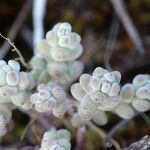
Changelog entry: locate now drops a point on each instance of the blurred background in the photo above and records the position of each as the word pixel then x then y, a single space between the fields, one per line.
pixel 115 35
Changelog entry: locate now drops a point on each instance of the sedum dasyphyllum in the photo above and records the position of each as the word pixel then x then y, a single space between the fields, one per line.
pixel 96 94
pixel 135 96
pixel 39 69
pixel 101 92
pixel 14 84
pixel 50 97
pixel 56 140
pixel 57 65
pixel 59 52
pixel 15 87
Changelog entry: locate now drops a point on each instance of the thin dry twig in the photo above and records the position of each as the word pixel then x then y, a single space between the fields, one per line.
pixel 123 15
pixel 116 127
pixel 15 27
pixel 103 135
pixel 80 138
pixel 26 128
pixel 34 131
pixel 124 122
pixel 92 45
pixel 26 65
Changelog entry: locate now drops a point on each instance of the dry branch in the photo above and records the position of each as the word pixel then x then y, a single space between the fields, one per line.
pixel 15 27
pixel 126 20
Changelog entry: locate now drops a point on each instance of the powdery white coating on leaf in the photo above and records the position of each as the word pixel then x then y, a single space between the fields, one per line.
pixel 65 41
pixel 2 62
pixel 143 92
pixel 59 93
pixel 64 144
pixel 62 29
pixel 56 147
pixel 50 98
pixel 75 69
pixel 86 114
pixel 127 93
pixel 44 77
pixel 77 121
pixel 12 78
pixel 100 118
pixel 45 106
pixel 140 80
pixel 20 98
pixel 6 68
pixel 109 104
pixel 117 75
pixel 137 93
pixel 43 94
pixel 141 105
pixel 114 90
pixel 51 38
pixel 106 82
pixel 125 111
pixel 61 44
pixel 85 82
pixel 56 69
pixel 60 109
pixel 88 103
pixel 2 77
pixel 7 91
pixel 63 133
pixel 14 65
pixel 95 83
pixel 15 83
pixel 105 88
pixel 99 92
pixel 43 48
pixel 64 73
pixel 61 54
pixel 56 140
pixel 60 49
pixel 24 81
pixel 99 71
pixel 39 70
pixel 109 76
pixel 97 97
pixel 27 105
pixel 77 91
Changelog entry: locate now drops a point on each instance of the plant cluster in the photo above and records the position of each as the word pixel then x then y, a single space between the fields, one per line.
pixel 59 52
pixel 44 88
pixel 56 140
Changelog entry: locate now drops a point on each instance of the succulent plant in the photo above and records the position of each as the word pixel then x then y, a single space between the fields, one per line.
pixel 64 73
pixel 50 97
pixel 52 73
pixel 137 94
pixel 60 44
pixel 59 50
pixel 56 140
pixel 14 84
pixel 96 93
pixel 39 69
